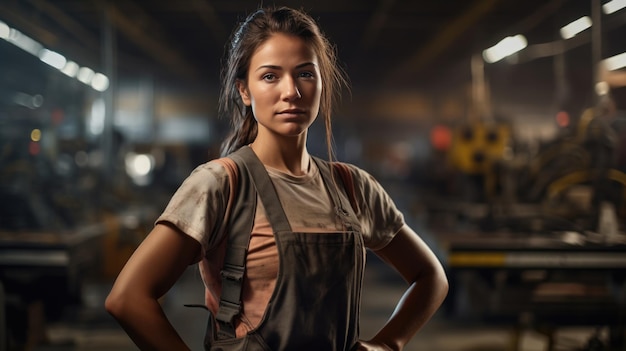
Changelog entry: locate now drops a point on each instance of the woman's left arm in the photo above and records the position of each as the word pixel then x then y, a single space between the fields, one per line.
pixel 428 287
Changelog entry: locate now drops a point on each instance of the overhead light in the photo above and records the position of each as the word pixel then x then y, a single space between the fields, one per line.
pixel 506 47
pixel 100 82
pixel 85 75
pixel 569 31
pixel 613 6
pixel 616 62
pixel 52 58
pixel 5 30
pixel 24 42
pixel 97 81
pixel 70 69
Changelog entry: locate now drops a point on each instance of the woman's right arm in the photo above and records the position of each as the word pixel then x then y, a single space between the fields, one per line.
pixel 151 271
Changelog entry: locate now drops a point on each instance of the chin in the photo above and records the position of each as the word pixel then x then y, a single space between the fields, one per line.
pixel 294 134
pixel 293 130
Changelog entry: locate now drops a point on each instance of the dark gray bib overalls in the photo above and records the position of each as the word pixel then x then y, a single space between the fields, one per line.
pixel 316 301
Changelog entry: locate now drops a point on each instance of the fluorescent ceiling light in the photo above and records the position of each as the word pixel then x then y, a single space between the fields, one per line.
pixel 579 25
pixel 70 69
pixel 24 42
pixel 5 30
pixel 85 74
pixel 506 47
pixel 52 58
pixel 100 82
pixel 613 6
pixel 615 62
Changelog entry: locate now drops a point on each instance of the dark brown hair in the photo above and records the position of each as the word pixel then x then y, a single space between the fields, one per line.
pixel 248 36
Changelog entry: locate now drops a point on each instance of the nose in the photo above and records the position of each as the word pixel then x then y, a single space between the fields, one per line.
pixel 290 90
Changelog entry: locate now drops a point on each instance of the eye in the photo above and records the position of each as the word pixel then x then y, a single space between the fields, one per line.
pixel 269 77
pixel 306 74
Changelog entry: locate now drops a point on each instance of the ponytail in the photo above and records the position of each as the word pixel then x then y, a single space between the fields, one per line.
pixel 242 133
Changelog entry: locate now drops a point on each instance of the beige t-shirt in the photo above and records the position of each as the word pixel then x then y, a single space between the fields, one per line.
pixel 199 204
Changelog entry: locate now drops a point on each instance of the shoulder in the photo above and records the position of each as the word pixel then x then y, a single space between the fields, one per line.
pixel 357 174
pixel 215 166
pixel 368 191
pixel 206 180
pixel 361 183
pixel 379 217
pixel 199 204
pixel 209 172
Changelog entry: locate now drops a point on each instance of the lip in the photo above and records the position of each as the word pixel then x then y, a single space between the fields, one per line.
pixel 291 111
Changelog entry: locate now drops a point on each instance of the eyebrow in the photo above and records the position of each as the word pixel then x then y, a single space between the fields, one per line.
pixel 279 67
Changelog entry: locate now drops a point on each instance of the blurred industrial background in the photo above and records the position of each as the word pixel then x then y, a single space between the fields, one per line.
pixel 498 126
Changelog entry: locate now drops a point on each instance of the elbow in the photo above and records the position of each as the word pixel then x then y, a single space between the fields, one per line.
pixel 114 304
pixel 111 304
pixel 443 285
pixel 436 281
pixel 126 304
pixel 440 282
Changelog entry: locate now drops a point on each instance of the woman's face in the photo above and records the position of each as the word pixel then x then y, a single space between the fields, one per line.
pixel 284 86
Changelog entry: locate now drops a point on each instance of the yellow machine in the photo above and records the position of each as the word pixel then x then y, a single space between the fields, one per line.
pixel 477 147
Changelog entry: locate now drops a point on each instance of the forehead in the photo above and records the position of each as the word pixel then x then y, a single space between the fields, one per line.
pixel 282 49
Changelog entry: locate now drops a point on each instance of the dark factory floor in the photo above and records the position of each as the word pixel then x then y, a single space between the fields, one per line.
pixel 91 328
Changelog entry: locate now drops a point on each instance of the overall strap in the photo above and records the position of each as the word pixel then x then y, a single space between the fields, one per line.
pixel 345 212
pixel 348 181
pixel 265 188
pixel 240 222
pixel 253 179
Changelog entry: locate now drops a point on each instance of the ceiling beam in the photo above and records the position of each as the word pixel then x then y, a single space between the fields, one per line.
pixel 440 42
pixel 546 10
pixel 28 26
pixel 71 26
pixel 155 45
pixel 209 16
pixel 376 23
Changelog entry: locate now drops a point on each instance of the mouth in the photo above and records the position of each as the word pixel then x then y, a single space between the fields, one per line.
pixel 292 111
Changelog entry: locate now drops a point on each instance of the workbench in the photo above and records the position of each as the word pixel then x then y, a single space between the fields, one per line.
pixel 543 281
pixel 46 267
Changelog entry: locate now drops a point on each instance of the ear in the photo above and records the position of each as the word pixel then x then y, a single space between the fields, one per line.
pixel 243 92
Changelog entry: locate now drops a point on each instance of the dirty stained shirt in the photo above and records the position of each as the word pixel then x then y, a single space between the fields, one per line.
pixel 200 203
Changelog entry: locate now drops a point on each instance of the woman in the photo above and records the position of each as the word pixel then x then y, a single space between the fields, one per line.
pixel 280 74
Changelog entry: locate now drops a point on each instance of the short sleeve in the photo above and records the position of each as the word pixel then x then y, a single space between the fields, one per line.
pixel 199 204
pixel 378 215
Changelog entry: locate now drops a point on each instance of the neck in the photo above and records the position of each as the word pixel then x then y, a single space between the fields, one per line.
pixel 289 156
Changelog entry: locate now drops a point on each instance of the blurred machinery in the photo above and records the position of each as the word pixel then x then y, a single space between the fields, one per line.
pixel 79 190
pixel 62 224
pixel 539 237
pixel 49 242
pixel 477 149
